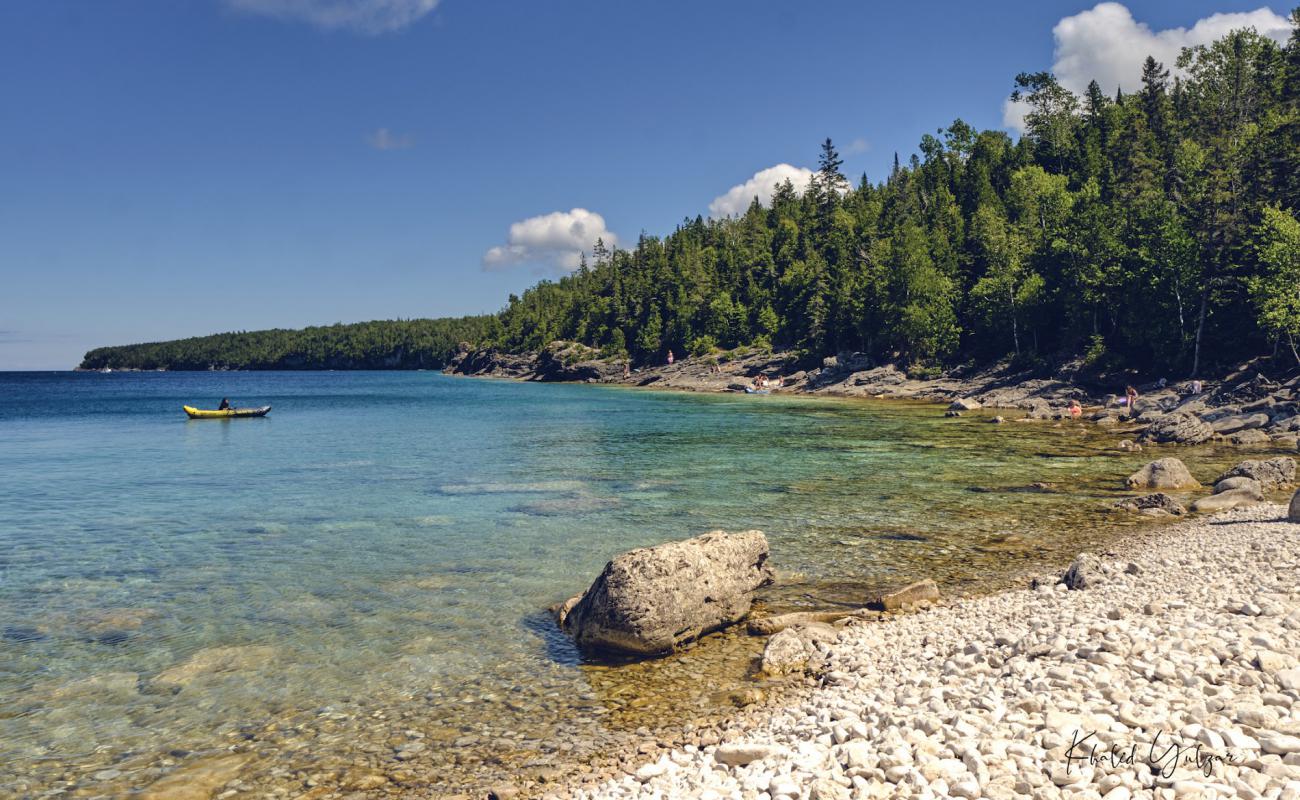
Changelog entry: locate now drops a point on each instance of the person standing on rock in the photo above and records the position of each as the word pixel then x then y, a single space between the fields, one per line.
pixel 1075 409
pixel 627 370
pixel 1196 386
pixel 1131 395
pixel 670 358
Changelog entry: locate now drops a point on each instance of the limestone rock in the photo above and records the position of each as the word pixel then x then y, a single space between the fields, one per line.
pixel 1241 422
pixel 911 594
pixel 1293 511
pixel 1179 428
pixel 1271 473
pixel 738 755
pixel 651 600
pixel 196 780
pixel 212 661
pixel 792 650
pixel 1164 473
pixel 1240 482
pixel 1232 498
pixel 1085 572
pixel 964 404
pixel 1158 500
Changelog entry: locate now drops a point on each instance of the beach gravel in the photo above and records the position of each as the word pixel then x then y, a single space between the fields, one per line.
pixel 1178 679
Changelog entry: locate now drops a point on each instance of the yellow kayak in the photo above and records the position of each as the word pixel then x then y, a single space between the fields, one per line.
pixel 225 413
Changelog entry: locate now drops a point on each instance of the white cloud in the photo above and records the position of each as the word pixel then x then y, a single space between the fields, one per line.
pixel 384 139
pixel 364 16
pixel 762 185
pixel 556 240
pixel 1105 43
pixel 858 145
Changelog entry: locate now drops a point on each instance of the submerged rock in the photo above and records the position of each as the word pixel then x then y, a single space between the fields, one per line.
pixel 212 661
pixel 197 780
pixel 651 600
pixel 1165 473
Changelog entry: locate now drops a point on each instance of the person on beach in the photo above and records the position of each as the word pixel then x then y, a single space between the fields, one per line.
pixel 1131 395
pixel 670 358
pixel 225 404
pixel 1076 410
pixel 1196 386
pixel 627 370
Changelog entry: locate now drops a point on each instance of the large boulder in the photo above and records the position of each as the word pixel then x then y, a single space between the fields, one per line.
pixel 965 404
pixel 1179 429
pixel 651 600
pixel 1293 511
pixel 1164 473
pixel 1271 473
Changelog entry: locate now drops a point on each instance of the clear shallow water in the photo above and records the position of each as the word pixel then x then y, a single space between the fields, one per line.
pixel 366 567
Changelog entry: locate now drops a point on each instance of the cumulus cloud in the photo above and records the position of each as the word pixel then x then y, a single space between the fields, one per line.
pixel 363 16
pixel 1105 43
pixel 556 240
pixel 762 185
pixel 384 139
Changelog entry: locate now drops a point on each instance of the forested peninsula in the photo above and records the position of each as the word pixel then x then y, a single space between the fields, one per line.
pixel 1153 231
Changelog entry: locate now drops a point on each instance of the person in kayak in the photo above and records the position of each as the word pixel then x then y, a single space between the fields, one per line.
pixel 225 404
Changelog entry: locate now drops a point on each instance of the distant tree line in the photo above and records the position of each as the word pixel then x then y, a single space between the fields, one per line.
pixel 1155 230
pixel 388 344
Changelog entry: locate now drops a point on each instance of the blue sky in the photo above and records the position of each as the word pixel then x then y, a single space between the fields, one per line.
pixel 179 167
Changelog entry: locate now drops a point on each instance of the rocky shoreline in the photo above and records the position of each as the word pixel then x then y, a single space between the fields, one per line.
pixel 1174 652
pixel 1244 408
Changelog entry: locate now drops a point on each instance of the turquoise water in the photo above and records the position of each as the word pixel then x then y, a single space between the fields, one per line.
pixel 369 564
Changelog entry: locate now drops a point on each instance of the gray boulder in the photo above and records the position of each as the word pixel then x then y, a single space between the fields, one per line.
pixel 1085 572
pixel 651 600
pixel 1271 473
pixel 1293 511
pixel 1164 473
pixel 964 404
pixel 1178 429
pixel 1238 483
pixel 1158 500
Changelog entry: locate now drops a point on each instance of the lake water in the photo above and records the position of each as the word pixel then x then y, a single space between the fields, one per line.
pixel 357 581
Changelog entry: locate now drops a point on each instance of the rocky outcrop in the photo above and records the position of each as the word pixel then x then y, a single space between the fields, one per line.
pixel 570 361
pixel 651 600
pixel 1178 429
pixel 1158 501
pixel 1271 473
pixel 492 362
pixel 965 404
pixel 1164 473
pixel 1241 422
